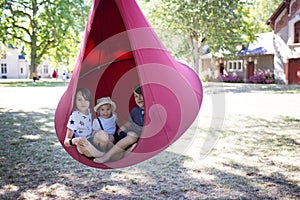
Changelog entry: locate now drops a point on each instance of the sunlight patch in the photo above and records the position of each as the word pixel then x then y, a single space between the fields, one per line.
pixel 55 191
pixel 56 144
pixel 134 177
pixel 31 137
pixel 116 189
pixel 44 129
pixel 8 188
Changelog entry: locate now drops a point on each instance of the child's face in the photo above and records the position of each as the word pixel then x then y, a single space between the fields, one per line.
pixel 105 111
pixel 139 100
pixel 82 104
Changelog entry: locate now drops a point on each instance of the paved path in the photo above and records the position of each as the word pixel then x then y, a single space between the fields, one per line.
pixel 30 98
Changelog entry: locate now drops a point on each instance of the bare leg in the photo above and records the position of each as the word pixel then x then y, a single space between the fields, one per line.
pixel 129 150
pixel 122 154
pixel 103 141
pixel 117 151
pixel 86 148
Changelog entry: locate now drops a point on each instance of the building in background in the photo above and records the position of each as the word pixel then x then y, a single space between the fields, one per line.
pixel 13 63
pixel 45 69
pixel 285 22
pixel 15 66
pixel 257 56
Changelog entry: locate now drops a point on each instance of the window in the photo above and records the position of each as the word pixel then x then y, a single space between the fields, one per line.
pixel 234 65
pixel 297 32
pixel 21 70
pixel 229 66
pixel 46 69
pixel 3 68
pixel 240 66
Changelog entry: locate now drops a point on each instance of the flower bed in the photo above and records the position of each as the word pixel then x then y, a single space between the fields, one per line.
pixel 263 77
pixel 232 78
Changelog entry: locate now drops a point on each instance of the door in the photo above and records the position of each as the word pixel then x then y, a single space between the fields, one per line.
pixel 293 71
pixel 221 70
pixel 250 70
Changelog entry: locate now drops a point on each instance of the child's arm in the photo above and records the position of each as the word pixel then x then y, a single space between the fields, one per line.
pixel 69 138
pixel 124 126
pixel 93 133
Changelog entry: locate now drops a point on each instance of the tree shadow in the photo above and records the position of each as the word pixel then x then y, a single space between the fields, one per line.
pixel 33 165
pixel 274 132
pixel 250 182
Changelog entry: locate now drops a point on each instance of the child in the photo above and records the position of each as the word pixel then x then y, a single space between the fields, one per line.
pixel 80 125
pixel 129 132
pixel 105 123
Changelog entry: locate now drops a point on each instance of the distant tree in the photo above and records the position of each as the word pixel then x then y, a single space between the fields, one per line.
pixel 260 12
pixel 219 24
pixel 46 27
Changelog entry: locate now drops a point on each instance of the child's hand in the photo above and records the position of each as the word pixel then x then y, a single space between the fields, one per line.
pixel 122 128
pixel 75 141
pixel 83 141
pixel 93 133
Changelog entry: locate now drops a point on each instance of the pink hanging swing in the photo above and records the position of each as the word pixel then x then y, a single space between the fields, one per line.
pixel 119 51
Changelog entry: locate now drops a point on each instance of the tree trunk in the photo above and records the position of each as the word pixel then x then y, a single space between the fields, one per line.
pixel 33 38
pixel 196 53
pixel 32 60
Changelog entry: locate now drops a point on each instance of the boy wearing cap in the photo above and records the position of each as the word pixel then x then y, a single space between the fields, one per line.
pixel 104 125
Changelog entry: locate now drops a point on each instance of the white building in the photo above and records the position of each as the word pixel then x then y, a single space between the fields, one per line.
pixel 45 69
pixel 13 64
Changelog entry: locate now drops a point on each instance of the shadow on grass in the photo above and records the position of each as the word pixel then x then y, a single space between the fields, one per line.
pixel 32 158
pixel 33 165
pixel 271 134
pixel 250 183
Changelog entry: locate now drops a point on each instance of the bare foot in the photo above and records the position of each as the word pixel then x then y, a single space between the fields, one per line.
pixel 86 148
pixel 101 159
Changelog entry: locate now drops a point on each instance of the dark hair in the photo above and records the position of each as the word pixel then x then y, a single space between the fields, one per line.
pixel 138 89
pixel 87 95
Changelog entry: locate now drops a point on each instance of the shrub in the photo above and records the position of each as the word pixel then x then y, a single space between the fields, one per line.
pixel 232 78
pixel 263 77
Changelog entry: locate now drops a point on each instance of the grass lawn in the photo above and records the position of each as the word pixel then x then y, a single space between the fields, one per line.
pixel 30 83
pixel 256 156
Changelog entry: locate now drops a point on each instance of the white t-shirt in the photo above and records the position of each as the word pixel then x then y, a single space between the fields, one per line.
pixel 80 123
pixel 109 125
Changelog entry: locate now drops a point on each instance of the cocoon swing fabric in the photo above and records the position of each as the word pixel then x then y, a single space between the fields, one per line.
pixel 120 50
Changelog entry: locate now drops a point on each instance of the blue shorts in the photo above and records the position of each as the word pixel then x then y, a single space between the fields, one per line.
pixel 119 136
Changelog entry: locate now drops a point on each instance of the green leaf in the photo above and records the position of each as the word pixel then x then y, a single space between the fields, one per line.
pixel 47 28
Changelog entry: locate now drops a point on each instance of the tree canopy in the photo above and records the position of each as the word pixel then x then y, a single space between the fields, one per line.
pixel 45 27
pixel 52 28
pixel 260 12
pixel 221 25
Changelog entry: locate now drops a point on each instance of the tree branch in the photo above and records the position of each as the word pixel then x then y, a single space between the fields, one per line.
pixel 22 28
pixel 19 38
pixel 46 45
